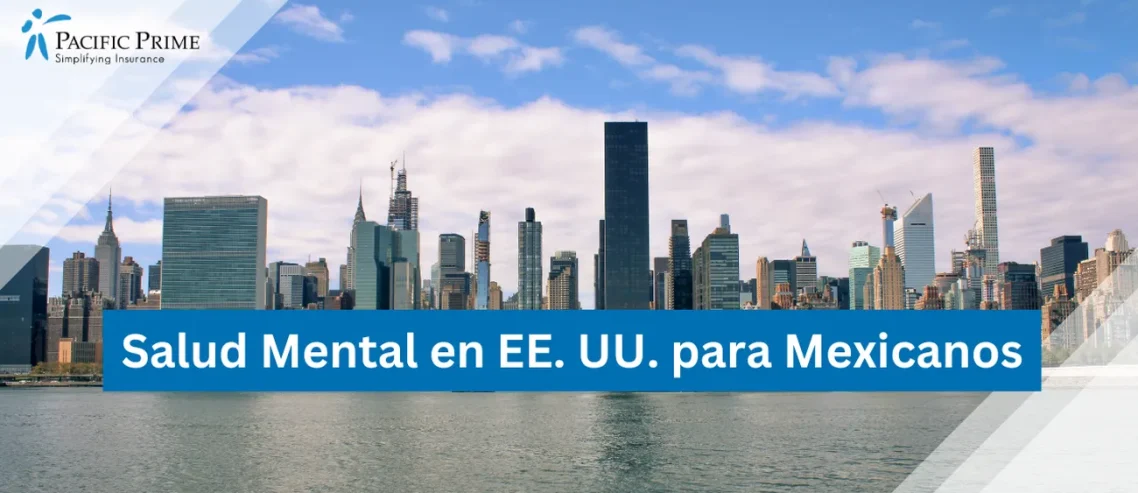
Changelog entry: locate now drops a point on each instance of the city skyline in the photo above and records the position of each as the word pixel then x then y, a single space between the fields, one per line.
pixel 798 153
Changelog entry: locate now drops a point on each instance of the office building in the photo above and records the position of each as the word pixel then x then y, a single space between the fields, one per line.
pixel 347 280
pixel 784 271
pixel 130 283
pixel 1018 287
pixel 680 294
pixel 529 262
pixel 599 271
pixel 80 274
pixel 806 270
pixel 373 263
pixel 930 299
pixel 783 297
pixel 78 317
pixel 1055 311
pixel 716 271
pixel 1059 261
pixel 863 258
pixel 626 256
pixel 454 291
pixel 213 253
pixel 764 288
pixel 915 244
pixel 564 281
pixel 984 187
pixel 109 254
pixel 495 296
pixel 482 262
pixel 958 259
pixel 319 269
pixel 154 277
pixel 405 277
pixel 23 307
pixel 659 283
pixel 452 253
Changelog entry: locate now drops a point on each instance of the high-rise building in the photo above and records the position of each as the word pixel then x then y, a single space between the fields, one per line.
pixel 863 258
pixel 1059 261
pixel 374 256
pixel 213 253
pixel 452 253
pixel 783 297
pixel 454 291
pixel 915 245
pixel 889 274
pixel 343 278
pixel 958 259
pixel 154 277
pixel 564 278
pixel 806 270
pixel 679 267
pixel 80 274
pixel 287 280
pixel 764 287
pixel 529 262
pixel 627 259
pixel 23 307
pixel 1019 289
pixel 784 271
pixel 599 272
pixel 717 275
pixel 347 281
pixel 78 317
pixel 130 283
pixel 403 210
pixel 659 283
pixel 405 277
pixel 482 261
pixel 436 284
pixel 109 254
pixel 984 188
pixel 495 296
pixel 319 270
pixel 699 299
pixel 1059 306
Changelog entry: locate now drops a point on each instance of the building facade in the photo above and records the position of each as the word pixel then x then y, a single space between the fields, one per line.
pixel 806 271
pixel 717 275
pixel 915 243
pixel 984 191
pixel 23 307
pixel 109 255
pixel 764 284
pixel 564 281
pixel 626 253
pixel 1059 261
pixel 80 274
pixel 679 288
pixel 529 262
pixel 1019 288
pixel 482 262
pixel 213 253
pixel 863 258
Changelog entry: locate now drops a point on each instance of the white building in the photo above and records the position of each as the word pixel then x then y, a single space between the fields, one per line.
pixel 915 244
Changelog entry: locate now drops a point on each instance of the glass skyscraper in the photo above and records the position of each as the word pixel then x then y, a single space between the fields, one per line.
pixel 915 245
pixel 984 191
pixel 863 258
pixel 679 267
pixel 626 257
pixel 529 262
pixel 213 253
pixel 374 255
pixel 23 307
pixel 1059 262
pixel 482 262
pixel 719 271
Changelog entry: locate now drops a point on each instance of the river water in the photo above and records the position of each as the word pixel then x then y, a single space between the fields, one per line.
pixel 84 440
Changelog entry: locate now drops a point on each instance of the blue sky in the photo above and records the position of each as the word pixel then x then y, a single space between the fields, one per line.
pixel 1036 53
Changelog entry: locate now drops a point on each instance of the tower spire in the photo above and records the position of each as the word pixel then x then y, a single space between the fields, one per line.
pixel 109 227
pixel 360 217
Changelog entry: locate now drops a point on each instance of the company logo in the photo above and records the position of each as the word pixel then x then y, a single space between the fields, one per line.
pixel 36 40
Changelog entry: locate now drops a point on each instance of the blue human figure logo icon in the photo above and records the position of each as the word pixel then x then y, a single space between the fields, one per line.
pixel 36 40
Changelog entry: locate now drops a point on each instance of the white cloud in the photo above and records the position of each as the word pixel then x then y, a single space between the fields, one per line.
pixel 923 24
pixel 257 55
pixel 812 179
pixel 514 56
pixel 519 26
pixel 751 75
pixel 309 21
pixel 437 14
pixel 609 42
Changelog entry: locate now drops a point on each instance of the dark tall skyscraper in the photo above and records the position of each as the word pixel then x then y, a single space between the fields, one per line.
pixel 1059 262
pixel 680 267
pixel 452 253
pixel 660 283
pixel 785 271
pixel 626 259
pixel 403 210
pixel 154 277
pixel 1019 289
pixel 599 272
pixel 23 306
pixel 529 262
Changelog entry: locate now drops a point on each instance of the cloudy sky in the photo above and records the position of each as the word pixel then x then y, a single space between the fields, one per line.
pixel 792 119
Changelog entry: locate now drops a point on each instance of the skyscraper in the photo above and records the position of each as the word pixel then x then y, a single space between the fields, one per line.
pixel 452 253
pixel 154 277
pixel 347 282
pixel 80 274
pixel 108 253
pixel 405 277
pixel 23 307
pixel 373 264
pixel 679 267
pixel 659 283
pixel 403 210
pixel 984 189
pixel 319 269
pixel 213 253
pixel 130 283
pixel 563 281
pixel 482 262
pixel 806 270
pixel 764 284
pixel 889 274
pixel 1059 262
pixel 783 271
pixel 343 278
pixel 1018 288
pixel 529 262
pixel 599 271
pixel 863 258
pixel 627 259
pixel 915 245
pixel 718 279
